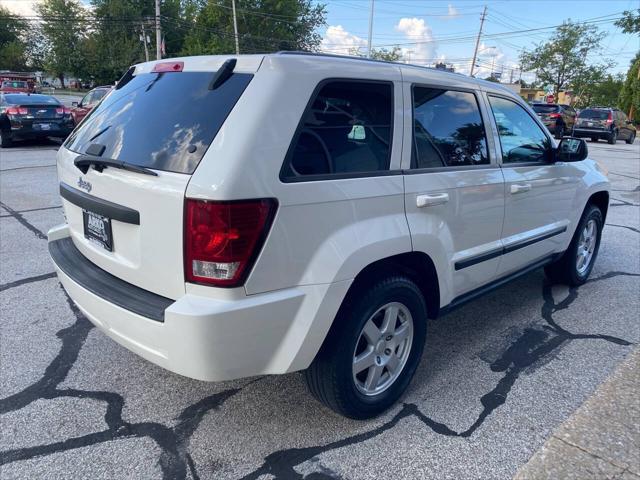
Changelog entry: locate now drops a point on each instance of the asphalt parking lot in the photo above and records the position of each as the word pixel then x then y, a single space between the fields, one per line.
pixel 498 375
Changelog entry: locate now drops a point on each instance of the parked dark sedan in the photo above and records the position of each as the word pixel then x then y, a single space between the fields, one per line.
pixel 559 119
pixel 25 116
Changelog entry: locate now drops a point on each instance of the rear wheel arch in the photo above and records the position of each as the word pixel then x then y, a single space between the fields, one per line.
pixel 418 266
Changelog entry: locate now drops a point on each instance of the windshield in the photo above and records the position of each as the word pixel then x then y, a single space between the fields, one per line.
pixel 163 121
pixel 545 108
pixel 595 114
pixel 31 100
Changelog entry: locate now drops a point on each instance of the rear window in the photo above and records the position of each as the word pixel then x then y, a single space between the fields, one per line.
pixel 31 100
pixel 546 108
pixel 163 121
pixel 595 114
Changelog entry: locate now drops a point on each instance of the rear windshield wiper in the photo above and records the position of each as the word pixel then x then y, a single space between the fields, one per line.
pixel 83 162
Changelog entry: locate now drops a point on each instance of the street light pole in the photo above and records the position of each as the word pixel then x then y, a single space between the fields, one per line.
pixel 235 26
pixel 475 52
pixel 370 30
pixel 158 40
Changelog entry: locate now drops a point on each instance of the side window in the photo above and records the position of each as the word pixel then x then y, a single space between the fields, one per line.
pixel 98 95
pixel 521 138
pixel 447 129
pixel 87 99
pixel 347 129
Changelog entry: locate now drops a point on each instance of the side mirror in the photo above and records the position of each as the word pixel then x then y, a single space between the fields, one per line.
pixel 571 149
pixel 74 104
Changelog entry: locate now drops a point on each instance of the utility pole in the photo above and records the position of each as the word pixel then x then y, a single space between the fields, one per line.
pixel 370 30
pixel 144 40
pixel 158 35
pixel 235 26
pixel 475 52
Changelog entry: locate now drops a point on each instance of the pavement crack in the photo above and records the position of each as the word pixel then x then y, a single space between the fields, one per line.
pixel 24 281
pixel 173 441
pixel 18 216
pixel 633 229
pixel 528 350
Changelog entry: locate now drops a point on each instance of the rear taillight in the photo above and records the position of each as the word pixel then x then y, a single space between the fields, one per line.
pixel 222 239
pixel 63 111
pixel 610 118
pixel 554 115
pixel 17 111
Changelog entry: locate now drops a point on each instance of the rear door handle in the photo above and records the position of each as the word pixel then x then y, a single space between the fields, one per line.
pixel 520 187
pixel 430 200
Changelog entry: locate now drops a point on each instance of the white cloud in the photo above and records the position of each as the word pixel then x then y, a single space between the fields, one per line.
pixel 452 12
pixel 416 30
pixel 27 8
pixel 21 7
pixel 339 41
pixel 488 56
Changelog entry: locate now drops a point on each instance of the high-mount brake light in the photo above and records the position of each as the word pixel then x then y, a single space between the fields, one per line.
pixel 222 239
pixel 168 67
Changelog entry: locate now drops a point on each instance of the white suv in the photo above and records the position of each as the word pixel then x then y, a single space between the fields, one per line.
pixel 251 215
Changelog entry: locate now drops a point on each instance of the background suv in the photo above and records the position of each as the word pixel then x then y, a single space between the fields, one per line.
pixel 232 216
pixel 606 123
pixel 559 119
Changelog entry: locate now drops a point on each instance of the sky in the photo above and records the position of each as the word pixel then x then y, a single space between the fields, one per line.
pixel 428 31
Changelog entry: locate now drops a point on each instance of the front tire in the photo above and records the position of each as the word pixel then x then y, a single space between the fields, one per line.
pixel 631 139
pixel 372 350
pixel 575 265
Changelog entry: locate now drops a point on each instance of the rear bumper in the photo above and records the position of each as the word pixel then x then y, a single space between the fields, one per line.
pixel 211 339
pixel 587 132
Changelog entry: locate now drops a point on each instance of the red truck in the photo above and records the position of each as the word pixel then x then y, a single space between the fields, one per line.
pixel 17 82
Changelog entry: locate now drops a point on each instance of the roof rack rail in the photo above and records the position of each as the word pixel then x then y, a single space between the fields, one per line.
pixel 362 59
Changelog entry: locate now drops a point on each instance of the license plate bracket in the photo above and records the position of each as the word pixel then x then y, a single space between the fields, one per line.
pixel 97 228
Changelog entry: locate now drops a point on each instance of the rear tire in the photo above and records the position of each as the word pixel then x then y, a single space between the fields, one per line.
pixel 612 138
pixel 359 339
pixel 575 265
pixel 5 139
pixel 594 139
pixel 631 139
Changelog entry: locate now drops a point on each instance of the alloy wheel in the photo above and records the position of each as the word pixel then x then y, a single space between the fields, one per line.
pixel 382 348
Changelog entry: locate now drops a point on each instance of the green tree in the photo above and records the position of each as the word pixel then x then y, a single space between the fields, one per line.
pixel 12 44
pixel 630 21
pixel 63 25
pixel 263 26
pixel 600 90
pixel 563 59
pixel 392 55
pixel 629 99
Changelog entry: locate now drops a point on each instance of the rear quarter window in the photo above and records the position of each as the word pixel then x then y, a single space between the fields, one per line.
pixel 163 121
pixel 346 129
